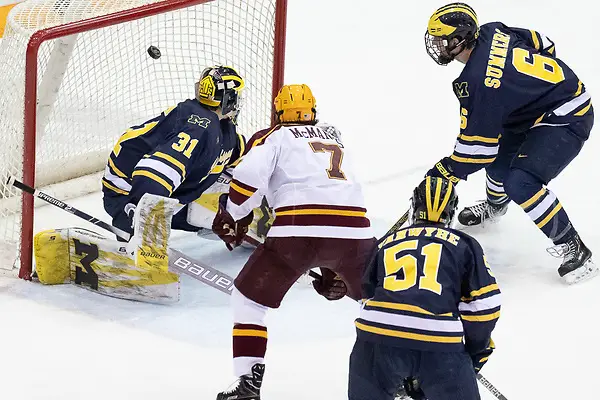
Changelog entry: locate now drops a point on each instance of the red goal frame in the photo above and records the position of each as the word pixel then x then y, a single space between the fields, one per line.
pixel 31 77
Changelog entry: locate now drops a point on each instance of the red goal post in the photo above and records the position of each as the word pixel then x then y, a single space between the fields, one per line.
pixel 70 68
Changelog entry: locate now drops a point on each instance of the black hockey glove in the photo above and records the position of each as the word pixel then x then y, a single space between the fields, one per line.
pixel 413 389
pixel 481 358
pixel 330 285
pixel 230 231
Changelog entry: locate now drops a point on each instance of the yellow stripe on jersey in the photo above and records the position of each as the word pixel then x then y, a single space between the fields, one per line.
pixel 533 198
pixel 579 89
pixel 494 182
pixel 168 110
pixel 536 41
pixel 250 332
pixel 479 292
pixel 481 139
pixel 112 165
pixel 132 134
pixel 265 136
pixel 404 307
pixel 491 192
pixel 240 189
pixel 583 110
pixel 543 222
pixel 408 335
pixel 242 150
pixel 472 160
pixel 317 211
pixel 481 318
pixel 172 160
pixel 155 178
pixel 114 188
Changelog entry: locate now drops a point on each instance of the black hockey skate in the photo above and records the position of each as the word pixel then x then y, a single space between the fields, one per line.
pixel 577 262
pixel 477 214
pixel 248 387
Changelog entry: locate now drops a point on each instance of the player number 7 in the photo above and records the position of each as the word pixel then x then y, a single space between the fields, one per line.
pixel 335 160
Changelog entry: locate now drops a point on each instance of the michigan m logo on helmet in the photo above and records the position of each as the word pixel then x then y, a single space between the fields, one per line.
pixel 450 30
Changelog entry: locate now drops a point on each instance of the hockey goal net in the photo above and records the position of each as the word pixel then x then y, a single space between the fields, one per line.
pixel 75 74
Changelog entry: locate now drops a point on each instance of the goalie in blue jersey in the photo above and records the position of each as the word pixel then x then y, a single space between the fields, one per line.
pixel 525 116
pixel 156 173
pixel 178 154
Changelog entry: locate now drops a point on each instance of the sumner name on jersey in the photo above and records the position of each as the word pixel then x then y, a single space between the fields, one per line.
pixel 178 154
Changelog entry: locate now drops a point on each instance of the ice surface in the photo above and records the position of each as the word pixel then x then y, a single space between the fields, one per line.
pixel 367 66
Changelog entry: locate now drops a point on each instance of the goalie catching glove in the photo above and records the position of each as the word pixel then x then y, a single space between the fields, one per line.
pixel 230 231
pixel 330 285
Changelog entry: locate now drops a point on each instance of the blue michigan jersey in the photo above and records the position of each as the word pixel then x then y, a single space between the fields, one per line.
pixel 429 288
pixel 178 154
pixel 512 82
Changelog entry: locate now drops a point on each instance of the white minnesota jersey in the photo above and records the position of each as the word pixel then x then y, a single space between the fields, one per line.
pixel 307 179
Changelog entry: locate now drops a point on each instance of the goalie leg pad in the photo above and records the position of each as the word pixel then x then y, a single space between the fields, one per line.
pixel 152 230
pixel 102 265
pixel 51 250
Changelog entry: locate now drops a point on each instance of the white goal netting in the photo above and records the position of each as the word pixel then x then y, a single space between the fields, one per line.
pixel 93 85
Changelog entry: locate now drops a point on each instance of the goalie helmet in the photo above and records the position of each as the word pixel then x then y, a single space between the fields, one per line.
pixel 219 89
pixel 453 21
pixel 295 104
pixel 434 200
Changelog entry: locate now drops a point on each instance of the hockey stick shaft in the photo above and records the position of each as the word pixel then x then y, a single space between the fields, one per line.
pixel 64 206
pixel 177 260
pixel 401 221
pixel 488 385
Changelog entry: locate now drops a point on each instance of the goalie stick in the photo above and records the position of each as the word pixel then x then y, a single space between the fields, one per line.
pixel 178 262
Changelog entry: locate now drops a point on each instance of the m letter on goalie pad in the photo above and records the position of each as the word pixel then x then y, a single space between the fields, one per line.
pixel 78 256
pixel 138 270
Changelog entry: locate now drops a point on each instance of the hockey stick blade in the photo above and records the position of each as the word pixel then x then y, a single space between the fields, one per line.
pixel 178 262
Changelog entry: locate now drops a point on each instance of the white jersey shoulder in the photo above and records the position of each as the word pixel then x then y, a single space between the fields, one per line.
pixel 305 173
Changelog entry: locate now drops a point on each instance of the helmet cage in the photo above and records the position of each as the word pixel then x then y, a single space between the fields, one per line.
pixel 220 92
pixel 440 48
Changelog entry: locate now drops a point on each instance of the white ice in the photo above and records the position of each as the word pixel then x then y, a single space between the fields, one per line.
pixel 366 63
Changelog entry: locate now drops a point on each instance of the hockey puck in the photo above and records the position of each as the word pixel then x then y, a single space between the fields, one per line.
pixel 154 52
